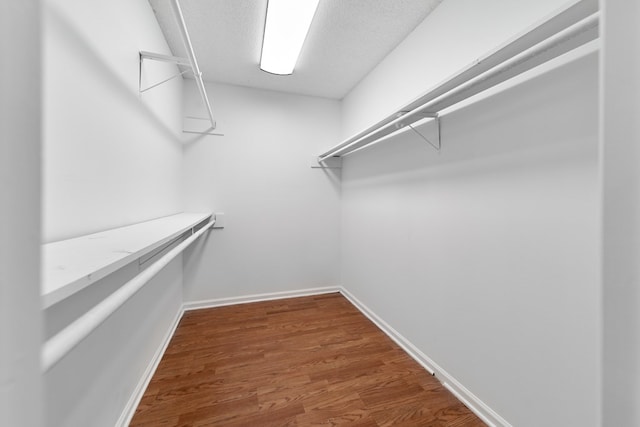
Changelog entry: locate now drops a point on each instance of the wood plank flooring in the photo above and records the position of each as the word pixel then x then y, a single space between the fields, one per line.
pixel 311 361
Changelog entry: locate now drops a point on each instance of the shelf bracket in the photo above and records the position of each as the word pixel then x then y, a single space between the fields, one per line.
pixel 425 115
pixel 183 62
pixel 328 163
pixel 192 124
pixel 159 83
pixel 163 58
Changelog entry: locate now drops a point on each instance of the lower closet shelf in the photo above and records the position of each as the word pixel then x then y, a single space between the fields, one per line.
pixel 69 266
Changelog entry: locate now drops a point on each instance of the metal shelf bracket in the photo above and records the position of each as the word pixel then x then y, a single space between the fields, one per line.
pixel 163 58
pixel 190 62
pixel 435 117
pixel 328 163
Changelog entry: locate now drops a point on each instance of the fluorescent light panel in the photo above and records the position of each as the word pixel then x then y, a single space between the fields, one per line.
pixel 286 28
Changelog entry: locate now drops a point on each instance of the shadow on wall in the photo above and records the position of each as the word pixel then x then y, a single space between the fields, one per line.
pixel 334 176
pixel 513 121
pixel 92 62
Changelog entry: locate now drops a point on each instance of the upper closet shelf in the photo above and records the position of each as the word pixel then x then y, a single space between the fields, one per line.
pixel 569 28
pixel 190 62
pixel 71 265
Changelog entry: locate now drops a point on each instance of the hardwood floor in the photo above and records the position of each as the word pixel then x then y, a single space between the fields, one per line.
pixel 311 361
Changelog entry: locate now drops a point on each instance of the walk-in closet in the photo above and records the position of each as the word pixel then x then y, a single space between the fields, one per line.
pixel 320 212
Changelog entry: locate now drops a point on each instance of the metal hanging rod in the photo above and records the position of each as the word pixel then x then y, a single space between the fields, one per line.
pixel 189 62
pixel 571 27
pixel 191 56
pixel 59 345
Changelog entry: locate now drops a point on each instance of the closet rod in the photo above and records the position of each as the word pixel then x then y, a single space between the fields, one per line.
pixel 192 60
pixel 64 341
pixel 570 28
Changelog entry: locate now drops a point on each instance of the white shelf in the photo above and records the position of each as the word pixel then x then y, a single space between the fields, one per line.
pixel 71 265
pixel 569 28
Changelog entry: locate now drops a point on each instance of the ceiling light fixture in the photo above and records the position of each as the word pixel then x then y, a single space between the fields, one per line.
pixel 285 29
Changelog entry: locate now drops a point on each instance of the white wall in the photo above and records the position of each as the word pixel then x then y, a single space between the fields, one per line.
pixel 621 206
pixel 485 256
pixel 111 158
pixel 20 127
pixel 282 216
pixel 456 33
pixel 94 383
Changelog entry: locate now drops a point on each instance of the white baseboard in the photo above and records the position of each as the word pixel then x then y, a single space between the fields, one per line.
pixel 483 411
pixel 219 302
pixel 476 405
pixel 136 396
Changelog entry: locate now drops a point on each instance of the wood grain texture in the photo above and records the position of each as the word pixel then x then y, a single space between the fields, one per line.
pixel 310 361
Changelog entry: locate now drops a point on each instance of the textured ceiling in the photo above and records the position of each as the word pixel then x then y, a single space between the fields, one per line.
pixel 347 39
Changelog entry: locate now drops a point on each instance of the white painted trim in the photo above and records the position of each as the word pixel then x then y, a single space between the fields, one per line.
pixel 484 412
pixel 219 302
pixel 129 410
